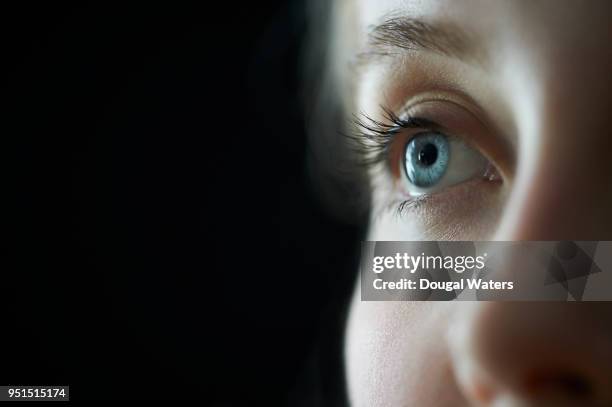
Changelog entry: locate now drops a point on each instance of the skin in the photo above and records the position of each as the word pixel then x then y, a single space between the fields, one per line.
pixel 537 96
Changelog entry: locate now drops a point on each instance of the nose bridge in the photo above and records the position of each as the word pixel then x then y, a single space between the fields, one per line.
pixel 563 184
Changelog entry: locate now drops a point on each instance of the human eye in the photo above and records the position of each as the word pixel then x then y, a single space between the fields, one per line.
pixel 433 153
pixel 433 161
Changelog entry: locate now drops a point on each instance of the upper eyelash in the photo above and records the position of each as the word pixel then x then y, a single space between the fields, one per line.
pixel 372 137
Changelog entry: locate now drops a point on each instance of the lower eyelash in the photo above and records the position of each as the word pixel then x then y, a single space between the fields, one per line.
pixel 412 203
pixel 403 206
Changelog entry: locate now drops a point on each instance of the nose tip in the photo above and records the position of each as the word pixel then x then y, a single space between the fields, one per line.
pixel 523 354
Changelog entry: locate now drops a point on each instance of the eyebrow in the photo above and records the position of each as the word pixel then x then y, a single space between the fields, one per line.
pixel 399 34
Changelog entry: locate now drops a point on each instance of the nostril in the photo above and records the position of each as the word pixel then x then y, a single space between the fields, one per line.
pixel 571 385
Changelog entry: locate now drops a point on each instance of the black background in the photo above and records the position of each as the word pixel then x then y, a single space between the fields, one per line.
pixel 164 237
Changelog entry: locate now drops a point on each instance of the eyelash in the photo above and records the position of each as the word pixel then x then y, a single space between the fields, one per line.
pixel 373 139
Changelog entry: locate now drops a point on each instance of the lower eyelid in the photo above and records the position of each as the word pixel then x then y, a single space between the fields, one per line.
pixel 475 192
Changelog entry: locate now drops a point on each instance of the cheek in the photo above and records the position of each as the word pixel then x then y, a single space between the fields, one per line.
pixel 386 226
pixel 396 354
pixel 374 364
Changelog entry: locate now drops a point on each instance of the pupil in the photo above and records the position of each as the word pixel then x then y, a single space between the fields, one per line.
pixel 428 154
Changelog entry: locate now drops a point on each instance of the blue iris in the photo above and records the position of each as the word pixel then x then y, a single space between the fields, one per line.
pixel 426 159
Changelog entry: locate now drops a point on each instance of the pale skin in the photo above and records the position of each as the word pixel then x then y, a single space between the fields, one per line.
pixel 528 85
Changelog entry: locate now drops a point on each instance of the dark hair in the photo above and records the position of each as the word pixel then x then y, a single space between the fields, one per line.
pixel 341 186
pixel 342 190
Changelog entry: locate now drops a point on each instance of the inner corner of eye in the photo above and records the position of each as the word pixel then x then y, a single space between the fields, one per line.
pixel 492 174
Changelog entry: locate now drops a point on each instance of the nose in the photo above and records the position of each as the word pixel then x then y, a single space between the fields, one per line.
pixel 545 353
pixel 540 354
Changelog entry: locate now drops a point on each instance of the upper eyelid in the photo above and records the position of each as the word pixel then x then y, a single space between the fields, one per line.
pixel 467 104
